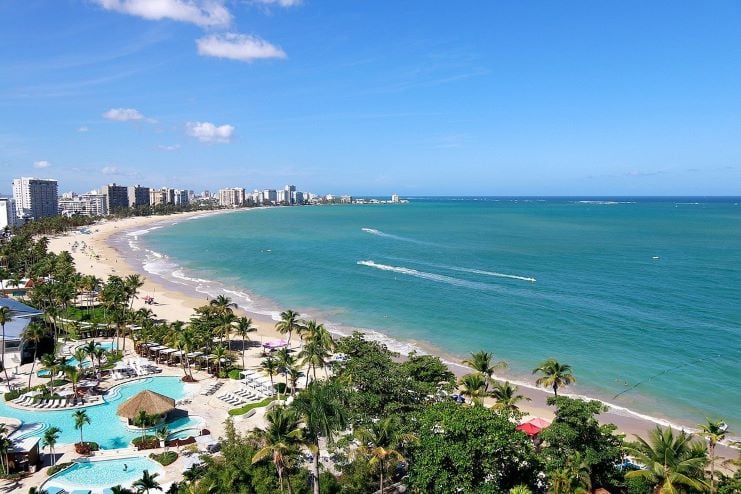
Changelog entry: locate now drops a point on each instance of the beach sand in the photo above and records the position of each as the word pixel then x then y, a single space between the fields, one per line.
pixel 176 302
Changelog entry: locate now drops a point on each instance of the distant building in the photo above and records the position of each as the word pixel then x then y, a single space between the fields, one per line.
pixel 157 197
pixel 180 197
pixel 138 196
pixel 35 197
pixel 8 214
pixel 117 196
pixel 269 196
pixel 395 198
pixel 297 197
pixel 91 204
pixel 290 191
pixel 284 197
pixel 346 200
pixel 231 197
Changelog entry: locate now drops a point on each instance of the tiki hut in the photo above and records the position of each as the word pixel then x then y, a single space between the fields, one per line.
pixel 153 404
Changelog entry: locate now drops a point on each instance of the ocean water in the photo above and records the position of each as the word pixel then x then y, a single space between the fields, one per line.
pixel 641 296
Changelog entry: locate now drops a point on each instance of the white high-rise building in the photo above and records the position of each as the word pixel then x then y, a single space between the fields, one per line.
pixel 233 197
pixel 35 197
pixel 8 216
pixel 92 204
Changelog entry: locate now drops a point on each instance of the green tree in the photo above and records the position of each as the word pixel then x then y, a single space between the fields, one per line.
pixel 671 461
pixel 507 397
pixel 383 441
pixel 714 431
pixel 243 328
pixel 81 418
pixel 288 324
pixel 520 489
pixel 554 375
pixel 49 440
pixel 34 334
pixel 322 412
pixel 269 366
pixel 117 489
pixel 280 440
pixel 50 362
pixel 576 433
pixel 474 450
pixel 483 362
pixel 473 386
pixel 147 482
pixel 142 420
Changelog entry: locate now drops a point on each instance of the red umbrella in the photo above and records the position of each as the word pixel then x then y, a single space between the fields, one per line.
pixel 528 428
pixel 539 422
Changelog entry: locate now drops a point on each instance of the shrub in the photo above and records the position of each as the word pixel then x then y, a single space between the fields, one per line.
pixel 234 374
pixel 250 406
pixel 58 467
pixel 280 388
pixel 86 448
pixel 164 458
pixel 146 442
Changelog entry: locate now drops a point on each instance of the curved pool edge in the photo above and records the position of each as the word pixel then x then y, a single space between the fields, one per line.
pixel 53 480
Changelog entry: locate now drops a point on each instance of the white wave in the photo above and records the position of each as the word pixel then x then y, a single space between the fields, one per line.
pixel 608 203
pixel 178 273
pixel 440 278
pixel 137 233
pixel 373 231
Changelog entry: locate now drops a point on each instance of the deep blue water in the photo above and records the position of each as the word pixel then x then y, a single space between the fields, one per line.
pixel 641 296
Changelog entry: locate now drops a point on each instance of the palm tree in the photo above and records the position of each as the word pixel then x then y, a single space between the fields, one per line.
pixel 520 489
pixel 117 489
pixel 222 303
pixel 34 333
pixel 322 413
pixel 73 376
pixel 289 322
pixel 714 432
pixel 383 440
pixel 81 418
pixel 554 375
pixel 474 386
pixel 80 355
pixel 3 448
pixel 5 317
pixel 243 328
pixel 162 434
pixel 49 440
pixel 224 323
pixel 219 353
pixel 285 361
pixel 294 374
pixel 671 462
pixel 281 438
pixel 507 397
pixel 49 361
pixel 147 482
pixel 270 367
pixel 142 420
pixel 483 362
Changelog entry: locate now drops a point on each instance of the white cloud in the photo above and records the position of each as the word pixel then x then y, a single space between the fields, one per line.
pixel 282 3
pixel 208 132
pixel 41 164
pixel 170 147
pixel 205 13
pixel 110 170
pixel 83 129
pixel 238 47
pixel 123 114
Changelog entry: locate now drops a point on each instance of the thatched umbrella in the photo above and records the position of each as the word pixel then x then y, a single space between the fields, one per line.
pixel 150 402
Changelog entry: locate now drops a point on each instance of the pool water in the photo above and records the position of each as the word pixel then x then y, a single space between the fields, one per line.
pixel 104 474
pixel 72 361
pixel 105 427
pixel 184 433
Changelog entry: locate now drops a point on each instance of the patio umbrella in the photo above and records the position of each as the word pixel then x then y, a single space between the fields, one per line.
pixel 528 428
pixel 539 422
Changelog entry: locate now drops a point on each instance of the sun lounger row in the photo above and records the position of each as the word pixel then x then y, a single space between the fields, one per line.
pixel 232 399
pixel 249 394
pixel 211 389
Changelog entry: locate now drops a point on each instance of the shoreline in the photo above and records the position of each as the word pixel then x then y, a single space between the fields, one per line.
pixel 175 300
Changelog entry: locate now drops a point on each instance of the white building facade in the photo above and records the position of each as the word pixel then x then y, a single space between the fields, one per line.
pixel 8 214
pixel 35 197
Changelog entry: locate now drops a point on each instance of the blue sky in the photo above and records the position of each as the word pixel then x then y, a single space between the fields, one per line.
pixel 374 97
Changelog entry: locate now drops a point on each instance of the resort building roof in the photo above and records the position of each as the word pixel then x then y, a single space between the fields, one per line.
pixel 149 401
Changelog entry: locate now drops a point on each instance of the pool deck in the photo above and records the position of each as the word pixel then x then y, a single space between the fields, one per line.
pixel 211 409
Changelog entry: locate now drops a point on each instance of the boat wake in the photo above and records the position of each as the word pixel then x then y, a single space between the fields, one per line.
pixel 440 278
pixel 379 233
pixel 460 269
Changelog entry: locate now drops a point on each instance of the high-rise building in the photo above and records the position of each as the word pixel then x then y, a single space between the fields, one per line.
pixel 290 191
pixel 284 197
pixel 269 196
pixel 117 196
pixel 35 197
pixel 91 204
pixel 181 197
pixel 298 197
pixel 8 215
pixel 394 198
pixel 157 197
pixel 138 196
pixel 232 197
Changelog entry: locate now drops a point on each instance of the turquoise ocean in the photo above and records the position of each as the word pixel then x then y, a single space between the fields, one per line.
pixel 641 296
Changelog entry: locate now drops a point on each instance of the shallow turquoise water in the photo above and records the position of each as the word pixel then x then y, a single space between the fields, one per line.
pixel 99 475
pixel 105 427
pixel 640 296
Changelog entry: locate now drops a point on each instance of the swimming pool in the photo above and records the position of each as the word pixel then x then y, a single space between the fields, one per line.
pixel 184 433
pixel 105 427
pixel 100 475
pixel 72 361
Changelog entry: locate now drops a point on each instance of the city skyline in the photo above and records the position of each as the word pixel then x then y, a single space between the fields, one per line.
pixel 485 99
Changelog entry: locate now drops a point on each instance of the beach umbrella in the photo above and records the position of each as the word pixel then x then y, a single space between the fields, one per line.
pixel 539 422
pixel 528 428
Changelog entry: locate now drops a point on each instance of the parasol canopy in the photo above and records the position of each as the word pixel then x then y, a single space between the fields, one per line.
pixel 149 401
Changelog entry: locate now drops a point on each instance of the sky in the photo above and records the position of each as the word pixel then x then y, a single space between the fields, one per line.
pixel 374 97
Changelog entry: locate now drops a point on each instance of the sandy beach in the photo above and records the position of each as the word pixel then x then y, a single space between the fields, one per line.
pixel 176 302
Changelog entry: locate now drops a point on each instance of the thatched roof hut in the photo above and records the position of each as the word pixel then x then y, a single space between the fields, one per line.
pixel 149 401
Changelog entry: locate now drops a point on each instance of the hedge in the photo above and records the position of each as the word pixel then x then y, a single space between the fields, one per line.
pixel 164 458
